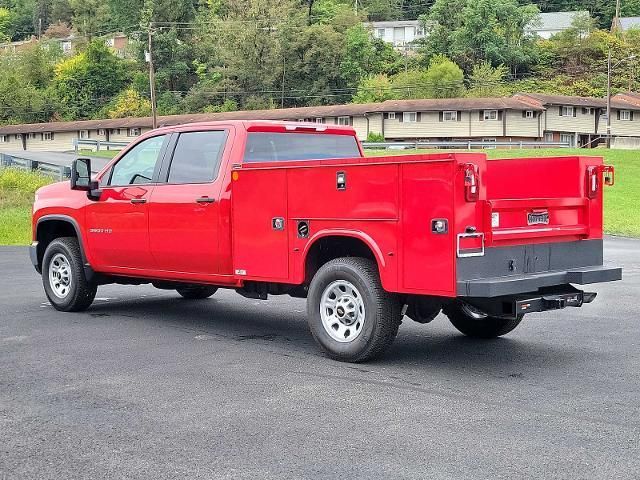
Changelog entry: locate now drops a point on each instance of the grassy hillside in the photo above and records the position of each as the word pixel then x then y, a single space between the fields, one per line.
pixel 17 188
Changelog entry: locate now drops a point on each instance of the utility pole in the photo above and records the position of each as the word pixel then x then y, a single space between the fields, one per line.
pixel 39 28
pixel 152 82
pixel 618 10
pixel 609 99
pixel 284 68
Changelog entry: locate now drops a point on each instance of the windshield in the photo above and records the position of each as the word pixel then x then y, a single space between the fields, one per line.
pixel 279 147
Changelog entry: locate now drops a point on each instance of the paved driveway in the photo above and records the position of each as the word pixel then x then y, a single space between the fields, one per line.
pixel 146 385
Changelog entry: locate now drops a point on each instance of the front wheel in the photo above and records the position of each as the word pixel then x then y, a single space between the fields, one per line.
pixel 63 276
pixel 350 315
pixel 474 323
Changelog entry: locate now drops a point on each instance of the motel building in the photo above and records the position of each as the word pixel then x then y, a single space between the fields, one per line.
pixel 577 121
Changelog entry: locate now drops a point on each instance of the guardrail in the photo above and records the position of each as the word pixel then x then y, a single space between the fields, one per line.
pixel 58 171
pixel 463 144
pixel 97 144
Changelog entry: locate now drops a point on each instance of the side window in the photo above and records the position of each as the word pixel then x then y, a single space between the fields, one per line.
pixel 196 158
pixel 139 163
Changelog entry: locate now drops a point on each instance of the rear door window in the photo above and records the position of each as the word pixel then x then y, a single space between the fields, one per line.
pixel 196 157
pixel 277 147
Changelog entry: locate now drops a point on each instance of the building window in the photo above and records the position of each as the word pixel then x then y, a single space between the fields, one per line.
pixel 491 114
pixel 301 120
pixel 392 115
pixel 588 110
pixel 133 132
pixel 344 120
pixel 102 132
pixel 409 117
pixel 548 137
pixel 47 136
pixel 4 138
pixel 319 120
pixel 567 138
pixel 18 136
pixel 529 114
pixel 380 33
pixel 450 116
pixel 566 111
pixel 419 32
pixel 625 115
pixel 83 134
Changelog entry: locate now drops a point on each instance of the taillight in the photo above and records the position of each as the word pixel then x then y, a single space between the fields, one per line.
pixel 471 182
pixel 593 183
pixel 608 173
pixel 593 178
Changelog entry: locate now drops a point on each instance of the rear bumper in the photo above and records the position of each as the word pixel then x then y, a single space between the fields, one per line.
pixel 530 282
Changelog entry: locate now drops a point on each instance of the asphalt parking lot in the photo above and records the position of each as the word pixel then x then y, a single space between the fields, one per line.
pixel 147 385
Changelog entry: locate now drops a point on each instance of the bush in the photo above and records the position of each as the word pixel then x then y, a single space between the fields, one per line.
pixel 375 137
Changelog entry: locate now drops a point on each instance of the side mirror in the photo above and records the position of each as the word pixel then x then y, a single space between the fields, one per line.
pixel 81 174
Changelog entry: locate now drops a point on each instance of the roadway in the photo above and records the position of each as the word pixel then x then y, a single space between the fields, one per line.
pixel 146 385
pixel 59 158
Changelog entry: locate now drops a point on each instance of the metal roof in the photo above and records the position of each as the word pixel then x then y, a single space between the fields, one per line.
pixel 555 21
pixel 521 101
pixel 629 22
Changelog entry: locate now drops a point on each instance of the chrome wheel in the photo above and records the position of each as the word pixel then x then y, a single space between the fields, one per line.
pixel 60 275
pixel 342 311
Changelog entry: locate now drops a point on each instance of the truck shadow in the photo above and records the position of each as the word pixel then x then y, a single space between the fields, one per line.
pixel 437 346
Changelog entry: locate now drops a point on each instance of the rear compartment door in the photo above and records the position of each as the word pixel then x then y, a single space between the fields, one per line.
pixel 260 245
pixel 428 257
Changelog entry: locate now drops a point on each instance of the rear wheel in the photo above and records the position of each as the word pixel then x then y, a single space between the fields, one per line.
pixel 350 315
pixel 63 276
pixel 474 323
pixel 196 292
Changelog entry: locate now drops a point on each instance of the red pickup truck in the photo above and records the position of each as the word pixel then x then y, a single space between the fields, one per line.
pixel 270 208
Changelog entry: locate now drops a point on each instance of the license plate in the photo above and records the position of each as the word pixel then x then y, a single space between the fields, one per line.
pixel 538 218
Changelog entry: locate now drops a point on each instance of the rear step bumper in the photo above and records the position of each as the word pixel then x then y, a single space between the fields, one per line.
pixel 552 298
pixel 531 282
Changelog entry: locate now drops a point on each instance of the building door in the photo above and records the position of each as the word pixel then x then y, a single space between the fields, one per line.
pixel 398 36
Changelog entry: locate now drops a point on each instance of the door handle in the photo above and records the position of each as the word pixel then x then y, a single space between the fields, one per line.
pixel 205 200
pixel 138 200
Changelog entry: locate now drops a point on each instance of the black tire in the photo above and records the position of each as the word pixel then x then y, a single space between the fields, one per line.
pixel 487 327
pixel 80 293
pixel 382 310
pixel 196 292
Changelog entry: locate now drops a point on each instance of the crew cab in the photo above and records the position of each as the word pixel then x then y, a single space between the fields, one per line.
pixel 270 208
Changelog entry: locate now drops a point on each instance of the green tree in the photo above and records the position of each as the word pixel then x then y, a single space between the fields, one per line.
pixel 494 31
pixel 90 16
pixel 373 89
pixel 487 81
pixel 87 81
pixel 444 17
pixel 128 103
pixel 444 79
pixel 5 25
